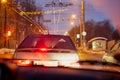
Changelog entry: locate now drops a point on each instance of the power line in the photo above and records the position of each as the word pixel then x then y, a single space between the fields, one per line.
pixel 28 19
pixel 43 12
pixel 60 5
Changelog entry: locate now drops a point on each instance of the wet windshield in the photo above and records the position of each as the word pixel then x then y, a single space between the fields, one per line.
pixel 60 39
pixel 93 27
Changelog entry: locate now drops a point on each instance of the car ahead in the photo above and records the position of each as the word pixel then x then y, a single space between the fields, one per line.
pixel 53 57
pixel 47 50
pixel 113 55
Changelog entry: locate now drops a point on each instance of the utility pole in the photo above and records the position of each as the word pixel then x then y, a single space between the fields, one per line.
pixel 82 25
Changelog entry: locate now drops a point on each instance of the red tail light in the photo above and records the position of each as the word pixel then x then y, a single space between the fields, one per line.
pixel 43 49
pixel 23 62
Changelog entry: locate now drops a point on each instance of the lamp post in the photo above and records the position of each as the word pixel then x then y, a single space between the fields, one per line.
pixel 8 36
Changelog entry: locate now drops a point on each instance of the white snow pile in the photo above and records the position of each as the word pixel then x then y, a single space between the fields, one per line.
pixel 6 51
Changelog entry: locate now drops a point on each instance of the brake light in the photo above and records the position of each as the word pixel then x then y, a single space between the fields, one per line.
pixel 43 49
pixel 23 62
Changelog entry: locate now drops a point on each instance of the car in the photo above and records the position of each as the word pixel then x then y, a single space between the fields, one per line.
pixel 110 55
pixel 42 32
pixel 47 50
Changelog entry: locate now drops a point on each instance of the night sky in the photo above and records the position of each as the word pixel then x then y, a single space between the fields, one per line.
pixel 98 10
pixel 111 8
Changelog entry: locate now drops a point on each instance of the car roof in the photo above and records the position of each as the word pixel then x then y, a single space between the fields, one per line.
pixel 39 35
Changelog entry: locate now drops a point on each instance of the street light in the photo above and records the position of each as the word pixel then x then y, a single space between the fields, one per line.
pixel 66 33
pixel 84 33
pixel 72 23
pixel 8 36
pixel 73 16
pixel 9 33
pixel 4 1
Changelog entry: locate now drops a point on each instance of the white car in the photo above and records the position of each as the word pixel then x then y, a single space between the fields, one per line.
pixel 47 50
pixel 110 55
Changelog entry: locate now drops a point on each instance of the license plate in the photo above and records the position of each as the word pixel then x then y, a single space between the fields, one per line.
pixel 46 63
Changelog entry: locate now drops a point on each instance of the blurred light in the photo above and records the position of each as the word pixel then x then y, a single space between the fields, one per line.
pixel 22 62
pixel 78 36
pixel 9 33
pixel 19 61
pixel 43 49
pixel 84 33
pixel 43 12
pixel 73 16
pixel 4 1
pixel 31 24
pixel 66 33
pixel 27 62
pixel 72 23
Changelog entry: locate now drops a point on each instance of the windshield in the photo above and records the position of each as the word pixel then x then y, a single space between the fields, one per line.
pixel 68 31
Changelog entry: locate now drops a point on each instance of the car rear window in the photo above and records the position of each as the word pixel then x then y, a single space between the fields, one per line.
pixel 48 41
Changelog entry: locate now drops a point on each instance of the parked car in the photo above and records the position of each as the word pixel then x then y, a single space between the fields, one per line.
pixel 47 50
pixel 110 55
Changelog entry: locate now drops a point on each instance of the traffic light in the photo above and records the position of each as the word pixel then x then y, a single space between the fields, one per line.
pixel 9 33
